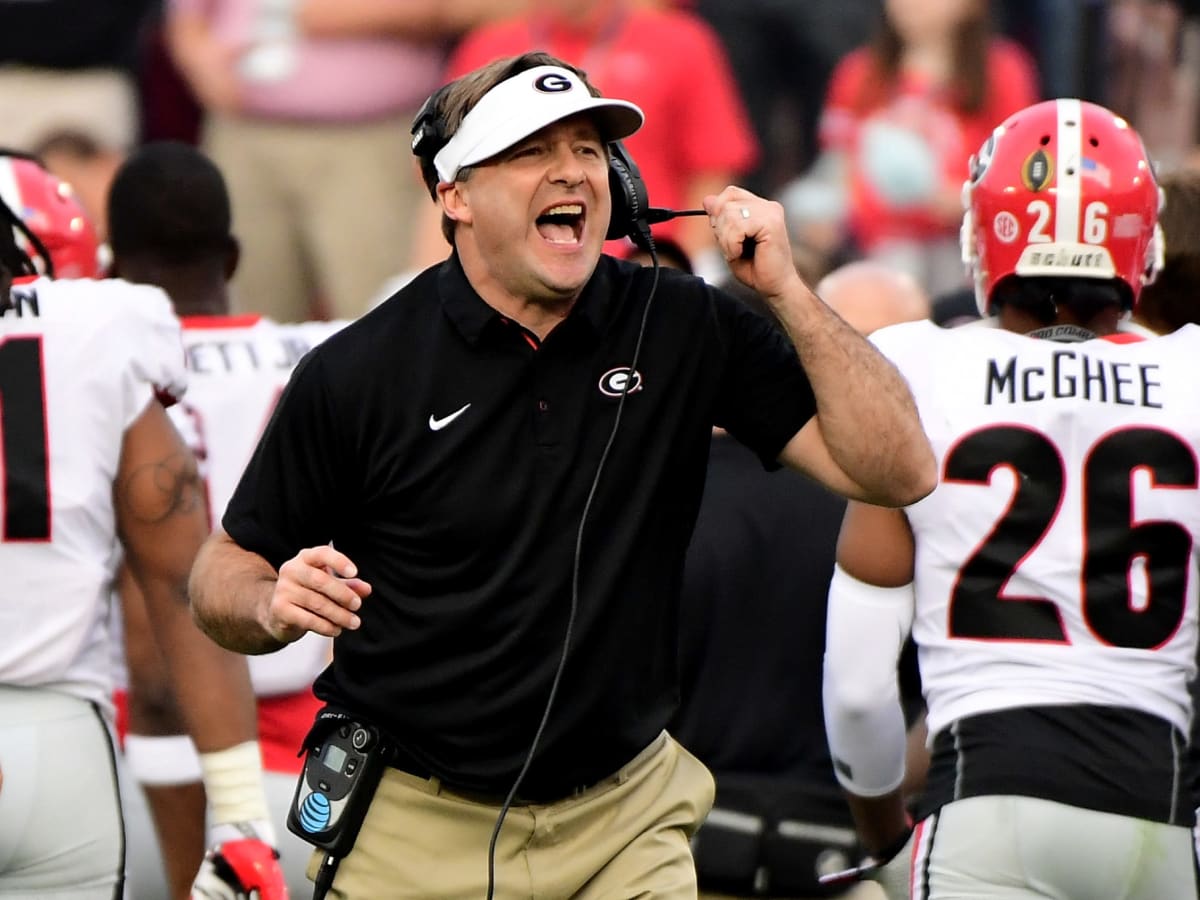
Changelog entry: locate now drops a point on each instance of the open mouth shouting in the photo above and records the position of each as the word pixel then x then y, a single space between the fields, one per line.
pixel 562 224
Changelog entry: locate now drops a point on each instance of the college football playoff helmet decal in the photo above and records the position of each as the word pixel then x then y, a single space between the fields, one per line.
pixel 1063 188
pixel 48 207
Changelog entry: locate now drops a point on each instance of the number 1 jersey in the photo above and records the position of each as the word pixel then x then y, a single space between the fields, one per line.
pixel 79 362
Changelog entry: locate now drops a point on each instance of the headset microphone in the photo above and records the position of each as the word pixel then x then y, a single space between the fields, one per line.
pixel 632 215
pixel 656 214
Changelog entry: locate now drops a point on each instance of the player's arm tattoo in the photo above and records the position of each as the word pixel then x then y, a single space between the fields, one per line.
pixel 155 492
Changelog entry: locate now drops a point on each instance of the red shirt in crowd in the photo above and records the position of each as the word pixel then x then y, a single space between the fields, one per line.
pixel 856 109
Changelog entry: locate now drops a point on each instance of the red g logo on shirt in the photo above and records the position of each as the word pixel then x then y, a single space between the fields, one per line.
pixel 622 380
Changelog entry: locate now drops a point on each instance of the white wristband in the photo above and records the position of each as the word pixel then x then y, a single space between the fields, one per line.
pixel 233 780
pixel 161 761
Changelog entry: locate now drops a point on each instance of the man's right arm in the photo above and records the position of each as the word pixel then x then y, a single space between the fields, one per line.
pixel 245 605
pixel 227 588
pixel 890 463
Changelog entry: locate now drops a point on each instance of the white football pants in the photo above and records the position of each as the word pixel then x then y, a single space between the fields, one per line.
pixel 60 813
pixel 1025 848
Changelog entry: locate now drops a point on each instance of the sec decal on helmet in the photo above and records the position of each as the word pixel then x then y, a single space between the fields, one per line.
pixel 46 207
pixel 1063 188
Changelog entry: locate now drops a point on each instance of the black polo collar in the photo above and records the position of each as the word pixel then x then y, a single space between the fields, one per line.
pixel 472 316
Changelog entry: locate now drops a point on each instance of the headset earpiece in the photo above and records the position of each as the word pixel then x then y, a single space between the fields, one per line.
pixel 630 201
pixel 429 131
pixel 428 127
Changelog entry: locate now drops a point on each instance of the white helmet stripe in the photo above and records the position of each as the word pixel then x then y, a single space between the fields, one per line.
pixel 1070 159
pixel 8 186
pixel 10 193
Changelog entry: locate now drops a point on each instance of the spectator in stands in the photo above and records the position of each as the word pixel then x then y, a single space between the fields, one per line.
pixel 310 128
pixel 69 66
pixel 901 119
pixel 1152 73
pixel 870 295
pixel 782 53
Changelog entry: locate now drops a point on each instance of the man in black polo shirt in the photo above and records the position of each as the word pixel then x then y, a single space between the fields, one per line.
pixel 485 487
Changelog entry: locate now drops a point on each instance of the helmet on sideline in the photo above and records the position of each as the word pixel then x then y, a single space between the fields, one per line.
pixel 1064 189
pixel 45 211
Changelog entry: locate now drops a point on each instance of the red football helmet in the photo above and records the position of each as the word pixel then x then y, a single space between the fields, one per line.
pixel 49 209
pixel 1062 188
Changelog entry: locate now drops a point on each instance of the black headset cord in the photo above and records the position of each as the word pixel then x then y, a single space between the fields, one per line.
pixel 324 880
pixel 562 660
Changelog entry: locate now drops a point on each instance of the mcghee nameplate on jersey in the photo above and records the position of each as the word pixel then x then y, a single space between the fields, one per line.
pixel 1072 373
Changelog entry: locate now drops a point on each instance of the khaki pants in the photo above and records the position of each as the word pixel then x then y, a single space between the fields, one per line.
pixel 323 212
pixel 624 837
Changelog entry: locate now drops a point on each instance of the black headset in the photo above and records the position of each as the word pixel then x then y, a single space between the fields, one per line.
pixel 429 131
pixel 631 211
pixel 630 202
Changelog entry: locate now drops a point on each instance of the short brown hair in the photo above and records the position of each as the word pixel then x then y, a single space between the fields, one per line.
pixel 451 103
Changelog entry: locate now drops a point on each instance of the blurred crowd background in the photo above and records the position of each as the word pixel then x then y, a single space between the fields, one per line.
pixel 858 115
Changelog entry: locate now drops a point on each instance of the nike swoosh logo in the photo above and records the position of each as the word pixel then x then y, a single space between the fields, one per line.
pixel 436 424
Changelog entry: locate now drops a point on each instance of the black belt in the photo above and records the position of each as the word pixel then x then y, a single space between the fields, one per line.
pixel 402 761
pixel 538 795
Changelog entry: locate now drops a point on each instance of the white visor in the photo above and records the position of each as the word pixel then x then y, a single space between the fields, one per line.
pixel 528 102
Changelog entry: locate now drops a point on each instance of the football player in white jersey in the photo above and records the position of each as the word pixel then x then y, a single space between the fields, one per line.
pixel 1169 303
pixel 169 221
pixel 1050 581
pixel 92 468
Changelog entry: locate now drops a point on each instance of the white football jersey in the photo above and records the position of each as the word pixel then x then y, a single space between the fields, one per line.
pixel 1056 559
pixel 79 362
pixel 237 368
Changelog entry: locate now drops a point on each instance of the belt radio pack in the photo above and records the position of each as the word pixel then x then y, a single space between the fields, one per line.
pixel 345 761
